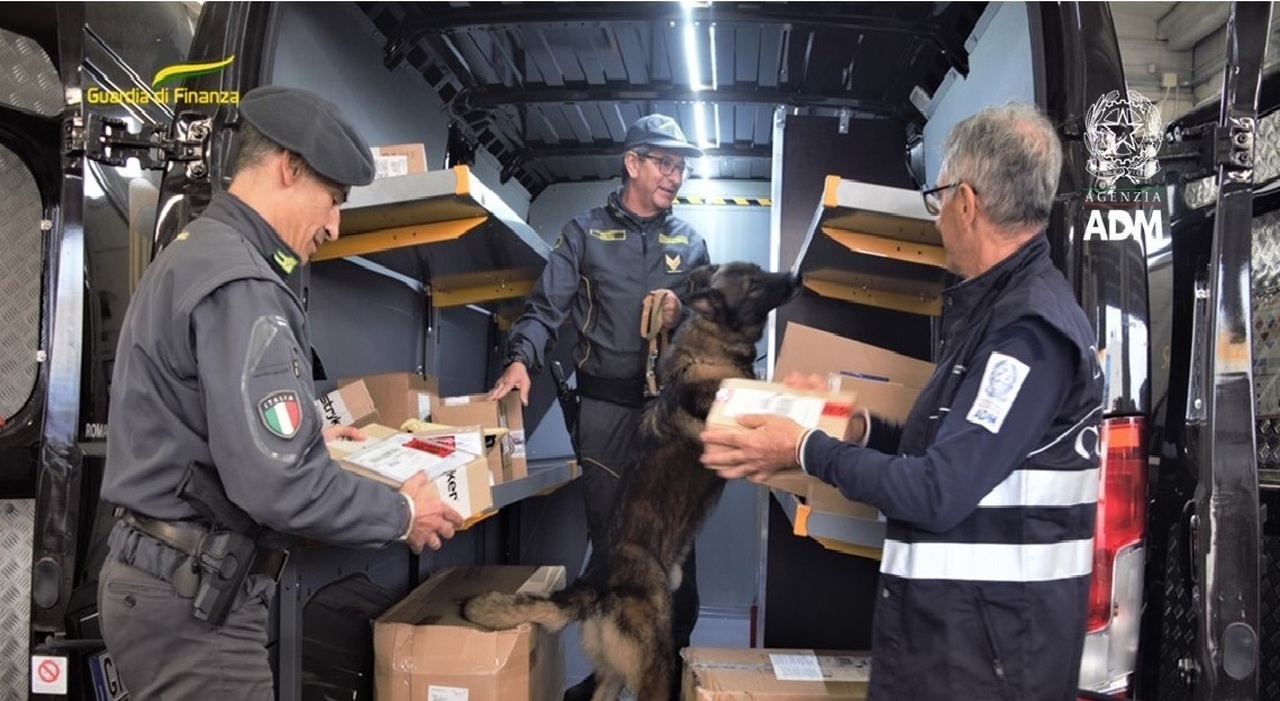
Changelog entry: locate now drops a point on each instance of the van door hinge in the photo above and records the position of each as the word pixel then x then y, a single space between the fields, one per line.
pixel 108 140
pixel 1196 151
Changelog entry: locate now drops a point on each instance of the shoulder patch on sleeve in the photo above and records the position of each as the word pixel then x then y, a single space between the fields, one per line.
pixel 1000 384
pixel 281 413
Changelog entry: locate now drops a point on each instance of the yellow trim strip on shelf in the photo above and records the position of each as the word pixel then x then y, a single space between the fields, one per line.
pixel 801 525
pixel 897 249
pixel 463 177
pixel 477 518
pixel 829 187
pixel 876 298
pixel 398 237
pixel 479 293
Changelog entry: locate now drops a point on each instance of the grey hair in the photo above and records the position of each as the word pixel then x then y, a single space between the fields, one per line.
pixel 640 150
pixel 1011 157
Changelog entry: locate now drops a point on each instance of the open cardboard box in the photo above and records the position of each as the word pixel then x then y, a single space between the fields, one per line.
pixel 762 674
pixel 885 383
pixel 399 396
pixel 506 413
pixel 350 405
pixel 425 651
pixel 452 457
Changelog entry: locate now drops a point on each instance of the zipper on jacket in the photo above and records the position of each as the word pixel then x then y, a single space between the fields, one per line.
pixel 297 368
pixel 997 665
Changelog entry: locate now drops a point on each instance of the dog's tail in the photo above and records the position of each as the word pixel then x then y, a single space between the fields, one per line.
pixel 497 610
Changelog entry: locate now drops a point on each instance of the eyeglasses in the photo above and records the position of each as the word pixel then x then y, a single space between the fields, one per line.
pixel 933 197
pixel 668 167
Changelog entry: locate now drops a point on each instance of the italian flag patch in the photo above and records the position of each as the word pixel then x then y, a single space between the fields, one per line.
pixel 281 413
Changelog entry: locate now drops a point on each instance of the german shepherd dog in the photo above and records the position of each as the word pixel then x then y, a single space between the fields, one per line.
pixel 624 598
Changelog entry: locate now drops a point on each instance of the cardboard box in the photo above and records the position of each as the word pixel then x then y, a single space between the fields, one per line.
pixel 809 351
pixel 496 448
pixel 747 674
pixel 424 650
pixel 474 409
pixel 452 458
pixel 399 159
pixel 347 406
pixel 828 411
pixel 398 396
pixel 886 383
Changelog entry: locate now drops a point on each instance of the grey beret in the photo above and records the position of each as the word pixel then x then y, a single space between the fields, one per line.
pixel 310 126
pixel 660 131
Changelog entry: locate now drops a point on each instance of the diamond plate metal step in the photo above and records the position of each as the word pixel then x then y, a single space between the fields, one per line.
pixel 17 523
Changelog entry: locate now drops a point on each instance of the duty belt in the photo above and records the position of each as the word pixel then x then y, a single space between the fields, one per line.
pixel 187 538
pixel 629 392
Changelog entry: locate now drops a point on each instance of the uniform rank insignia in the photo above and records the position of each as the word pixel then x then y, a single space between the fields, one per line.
pixel 1000 384
pixel 673 240
pixel 281 413
pixel 285 262
pixel 673 263
pixel 611 235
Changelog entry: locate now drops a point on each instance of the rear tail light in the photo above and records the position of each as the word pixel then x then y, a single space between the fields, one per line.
pixel 1115 590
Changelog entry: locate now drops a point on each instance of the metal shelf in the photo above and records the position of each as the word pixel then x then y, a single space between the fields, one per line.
pixel 874 245
pixel 544 476
pixel 444 228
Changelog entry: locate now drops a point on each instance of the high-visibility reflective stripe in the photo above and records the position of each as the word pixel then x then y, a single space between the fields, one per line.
pixel 988 562
pixel 1045 488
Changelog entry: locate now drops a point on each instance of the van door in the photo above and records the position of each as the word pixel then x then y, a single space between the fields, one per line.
pixel 1227 529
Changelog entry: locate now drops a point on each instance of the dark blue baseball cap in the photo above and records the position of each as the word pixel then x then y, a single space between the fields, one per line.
pixel 660 131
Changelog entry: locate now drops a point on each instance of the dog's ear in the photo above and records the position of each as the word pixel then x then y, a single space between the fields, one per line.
pixel 700 279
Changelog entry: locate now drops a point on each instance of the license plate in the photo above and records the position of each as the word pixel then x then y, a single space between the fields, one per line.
pixel 106 681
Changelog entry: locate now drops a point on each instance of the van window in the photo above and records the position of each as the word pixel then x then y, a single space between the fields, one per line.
pixel 30 83
pixel 20 239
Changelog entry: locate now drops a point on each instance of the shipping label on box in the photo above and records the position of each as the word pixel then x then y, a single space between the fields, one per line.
pixel 828 411
pixel 399 159
pixel 452 458
pixel 349 405
pixel 425 651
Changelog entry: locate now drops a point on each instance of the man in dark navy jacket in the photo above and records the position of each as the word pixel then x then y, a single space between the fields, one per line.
pixel 990 486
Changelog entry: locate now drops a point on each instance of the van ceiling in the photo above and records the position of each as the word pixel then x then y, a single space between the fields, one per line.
pixel 549 88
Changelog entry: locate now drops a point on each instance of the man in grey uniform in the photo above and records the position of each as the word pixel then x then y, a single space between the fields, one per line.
pixel 214 367
pixel 602 266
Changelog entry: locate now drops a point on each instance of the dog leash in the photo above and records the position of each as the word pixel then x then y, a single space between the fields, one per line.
pixel 652 330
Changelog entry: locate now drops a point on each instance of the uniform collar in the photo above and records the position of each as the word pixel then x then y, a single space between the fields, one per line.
pixel 626 217
pixel 232 211
pixel 961 298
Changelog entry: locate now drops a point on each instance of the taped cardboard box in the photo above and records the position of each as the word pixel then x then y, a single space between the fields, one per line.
pixel 452 458
pixel 398 396
pixel 828 411
pixel 472 409
pixel 347 406
pixel 399 159
pixel 755 674
pixel 424 650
